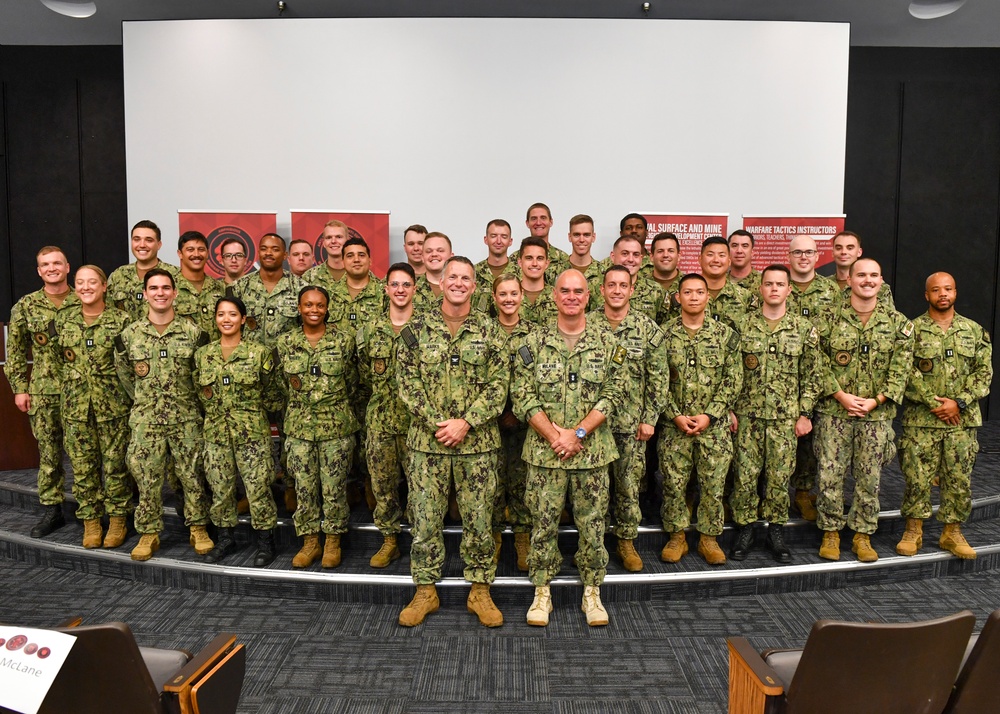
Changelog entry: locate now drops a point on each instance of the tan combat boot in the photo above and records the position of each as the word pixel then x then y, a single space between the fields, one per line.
pixel 709 549
pixel 92 533
pixel 481 605
pixel 829 549
pixel 497 545
pixel 862 546
pixel 592 606
pixel 149 543
pixel 805 502
pixel 522 541
pixel 913 537
pixel 675 549
pixel 386 554
pixel 291 502
pixel 309 551
pixel 541 607
pixel 200 541
pixel 630 559
pixel 116 532
pixel 331 551
pixel 423 604
pixel 954 542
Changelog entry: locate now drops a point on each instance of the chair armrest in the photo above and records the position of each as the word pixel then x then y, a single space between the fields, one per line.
pixel 202 662
pixel 74 621
pixel 751 680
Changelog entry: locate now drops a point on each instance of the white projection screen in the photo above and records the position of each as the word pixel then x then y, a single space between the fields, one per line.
pixel 452 122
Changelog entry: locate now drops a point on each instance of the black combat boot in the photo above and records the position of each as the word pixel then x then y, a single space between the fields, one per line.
pixel 265 549
pixel 225 544
pixel 776 544
pixel 51 520
pixel 744 539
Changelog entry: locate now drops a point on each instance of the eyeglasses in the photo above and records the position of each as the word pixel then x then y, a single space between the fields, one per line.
pixel 395 285
pixel 800 253
pixel 233 256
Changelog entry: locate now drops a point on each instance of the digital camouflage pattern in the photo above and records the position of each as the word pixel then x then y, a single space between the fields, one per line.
pixel 95 409
pixel 558 262
pixel 705 378
pixel 320 468
pixel 126 291
pixel 731 305
pixel 540 312
pixel 647 295
pixel 269 314
pixel 749 282
pixel 386 454
pixel 320 275
pixel 957 364
pixel 199 306
pixel 511 469
pixel 235 393
pixel 424 299
pixel 367 306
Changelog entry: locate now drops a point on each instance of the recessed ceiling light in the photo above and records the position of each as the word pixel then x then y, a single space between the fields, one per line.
pixel 69 8
pixel 933 9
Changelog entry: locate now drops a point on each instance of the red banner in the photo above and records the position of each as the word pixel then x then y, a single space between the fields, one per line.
pixel 772 234
pixel 373 226
pixel 219 226
pixel 691 229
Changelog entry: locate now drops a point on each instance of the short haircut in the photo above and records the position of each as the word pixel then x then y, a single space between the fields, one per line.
pixel 416 228
pixel 497 222
pixel 100 273
pixel 235 301
pixel 628 217
pixel 157 272
pixel 338 224
pixel 850 234
pixel 438 234
pixel 319 288
pixel 357 240
pixel 741 232
pixel 534 241
pixel 504 278
pixel 691 276
pixel 188 236
pixel 778 267
pixel 401 268
pixel 580 218
pixel 460 259
pixel 147 224
pixel 300 240
pixel 664 236
pixel 870 260
pixel 533 206
pixel 633 239
pixel 284 244
pixel 617 269
pixel 233 239
pixel 714 240
pixel 45 250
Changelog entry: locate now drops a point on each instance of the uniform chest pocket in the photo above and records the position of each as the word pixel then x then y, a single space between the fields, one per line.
pixel 381 363
pixel 751 345
pixel 243 373
pixel 208 376
pixel 708 357
pixel 789 345
pixel 549 378
pixel 331 364
pixel 966 348
pixel 475 359
pixel 71 336
pixel 295 369
pixel 843 343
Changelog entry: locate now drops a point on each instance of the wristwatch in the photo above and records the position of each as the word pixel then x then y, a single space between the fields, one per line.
pixel 580 433
pixel 961 404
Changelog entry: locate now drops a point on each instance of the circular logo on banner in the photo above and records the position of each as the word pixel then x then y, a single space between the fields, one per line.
pixel 843 358
pixel 219 236
pixel 925 365
pixel 751 361
pixel 319 251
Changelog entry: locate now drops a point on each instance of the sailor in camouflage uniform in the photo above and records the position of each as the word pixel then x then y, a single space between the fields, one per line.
pixel 33 327
pixel 332 270
pixel 663 271
pixel 741 270
pixel 154 358
pixel 846 251
pixel 646 383
pixel 496 263
pixel 537 307
pixel 647 295
pixel 125 287
pixel 952 370
pixel 453 373
pixel 435 255
pixel 539 223
pixel 869 351
pixel 388 420
pixel 728 302
pixel 320 371
pixel 197 292
pixel 705 379
pixel 95 409
pixel 781 361
pixel 566 384
pixel 235 384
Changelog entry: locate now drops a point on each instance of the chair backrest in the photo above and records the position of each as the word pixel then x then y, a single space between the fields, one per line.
pixel 977 689
pixel 906 668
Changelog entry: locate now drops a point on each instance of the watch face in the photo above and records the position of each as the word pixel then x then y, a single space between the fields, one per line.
pixel 580 433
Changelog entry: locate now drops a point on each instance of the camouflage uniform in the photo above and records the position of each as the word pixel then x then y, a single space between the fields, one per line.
pixel 567 385
pixel 956 364
pixel 543 310
pixel 156 370
pixel 320 422
pixel 558 262
pixel 482 300
pixel 269 314
pixel 647 295
pixel 731 305
pixel 33 326
pixel 199 307
pixel 95 411
pixel 320 275
pixel 424 299
pixel 233 392
pixel 705 378
pixel 864 360
pixel 366 307
pixel 387 420
pixel 512 470
pixel 750 282
pixel 884 294
pixel 669 307
pixel 126 291
pixel 443 377
pixel 645 383
pixel 780 383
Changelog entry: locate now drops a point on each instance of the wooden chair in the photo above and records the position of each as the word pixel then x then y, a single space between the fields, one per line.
pixel 853 668
pixel 107 671
pixel 977 690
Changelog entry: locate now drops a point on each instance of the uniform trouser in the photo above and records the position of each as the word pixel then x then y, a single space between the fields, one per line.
pixel 804 476
pixel 627 473
pixel 926 452
pixel 320 472
pixel 148 449
pixel 860 445
pixel 249 456
pixel 709 455
pixel 95 446
pixel 386 454
pixel 475 487
pixel 546 495
pixel 48 430
pixel 513 474
pixel 278 449
pixel 767 444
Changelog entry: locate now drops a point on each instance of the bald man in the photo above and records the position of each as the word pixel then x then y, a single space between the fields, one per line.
pixel 951 371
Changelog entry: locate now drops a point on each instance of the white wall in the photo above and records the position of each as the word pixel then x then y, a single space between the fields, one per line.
pixel 452 122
